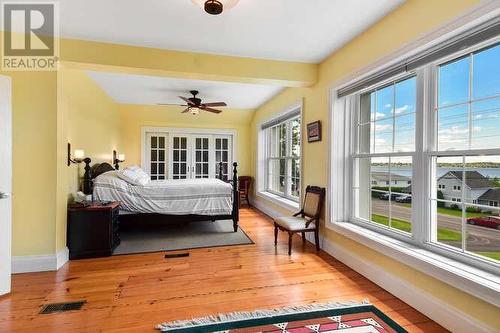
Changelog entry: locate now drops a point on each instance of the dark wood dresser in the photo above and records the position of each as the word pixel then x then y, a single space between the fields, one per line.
pixel 92 230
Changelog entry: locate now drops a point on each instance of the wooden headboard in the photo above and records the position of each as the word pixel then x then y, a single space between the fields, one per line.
pixel 100 168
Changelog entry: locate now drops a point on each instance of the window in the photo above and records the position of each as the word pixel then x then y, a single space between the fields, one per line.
pixel 283 142
pixel 432 127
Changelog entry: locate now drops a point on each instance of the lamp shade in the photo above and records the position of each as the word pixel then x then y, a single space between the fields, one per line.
pixel 228 4
pixel 79 154
pixel 121 157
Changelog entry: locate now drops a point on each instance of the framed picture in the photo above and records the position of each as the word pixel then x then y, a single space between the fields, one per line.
pixel 314 131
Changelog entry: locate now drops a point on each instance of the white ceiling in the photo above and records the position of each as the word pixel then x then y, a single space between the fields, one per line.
pixel 294 30
pixel 151 90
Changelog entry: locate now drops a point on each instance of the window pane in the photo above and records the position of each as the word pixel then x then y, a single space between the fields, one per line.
pixel 406 96
pixel 483 232
pixel 282 138
pixel 153 155
pixel 448 183
pixel 453 128
pixel 385 102
pixel 486 80
pixel 453 84
pixel 482 179
pixel 362 188
pixel 154 141
pixel 161 142
pixel 161 155
pixel 448 224
pixel 486 124
pixel 296 137
pixel 404 133
pixel 383 135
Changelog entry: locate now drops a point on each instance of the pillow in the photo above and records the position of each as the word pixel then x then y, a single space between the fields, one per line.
pixel 138 170
pixel 133 177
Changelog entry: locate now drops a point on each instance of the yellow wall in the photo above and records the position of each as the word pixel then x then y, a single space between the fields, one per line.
pixel 406 23
pixel 133 117
pixel 34 108
pixel 88 119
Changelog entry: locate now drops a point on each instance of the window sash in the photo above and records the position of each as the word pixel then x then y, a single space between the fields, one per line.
pixel 424 227
pixel 274 153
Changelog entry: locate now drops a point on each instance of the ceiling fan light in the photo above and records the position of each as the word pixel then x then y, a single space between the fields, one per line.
pixel 194 111
pixel 225 4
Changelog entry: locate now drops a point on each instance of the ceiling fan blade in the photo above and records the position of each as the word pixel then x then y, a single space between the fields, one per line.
pixel 186 110
pixel 187 101
pixel 169 104
pixel 215 104
pixel 211 110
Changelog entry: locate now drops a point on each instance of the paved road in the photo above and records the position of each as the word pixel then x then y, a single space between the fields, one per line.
pixel 479 238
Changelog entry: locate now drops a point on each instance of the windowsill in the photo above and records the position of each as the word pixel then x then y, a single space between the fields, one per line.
pixel 280 201
pixel 476 282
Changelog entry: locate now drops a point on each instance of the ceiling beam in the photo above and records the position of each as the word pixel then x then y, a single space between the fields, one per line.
pixel 99 56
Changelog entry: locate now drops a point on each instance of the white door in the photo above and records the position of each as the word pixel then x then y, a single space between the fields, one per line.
pixel 180 158
pixel 200 166
pixel 157 158
pixel 5 184
pixel 223 151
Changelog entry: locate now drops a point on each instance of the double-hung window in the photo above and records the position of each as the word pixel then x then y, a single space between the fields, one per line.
pixel 283 147
pixel 422 160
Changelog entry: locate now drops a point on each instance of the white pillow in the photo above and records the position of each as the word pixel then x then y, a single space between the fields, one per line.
pixel 133 177
pixel 138 170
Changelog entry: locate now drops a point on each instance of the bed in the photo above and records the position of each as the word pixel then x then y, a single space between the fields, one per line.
pixel 169 201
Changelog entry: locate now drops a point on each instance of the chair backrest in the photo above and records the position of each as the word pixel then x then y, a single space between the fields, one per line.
pixel 244 182
pixel 313 201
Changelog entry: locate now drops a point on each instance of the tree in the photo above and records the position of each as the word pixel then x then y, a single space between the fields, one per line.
pixel 440 196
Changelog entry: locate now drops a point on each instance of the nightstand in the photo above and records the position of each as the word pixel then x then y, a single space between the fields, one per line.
pixel 93 230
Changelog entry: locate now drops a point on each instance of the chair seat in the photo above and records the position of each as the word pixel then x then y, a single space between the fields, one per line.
pixel 294 223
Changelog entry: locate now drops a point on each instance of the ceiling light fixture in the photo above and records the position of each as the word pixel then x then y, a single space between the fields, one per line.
pixel 215 7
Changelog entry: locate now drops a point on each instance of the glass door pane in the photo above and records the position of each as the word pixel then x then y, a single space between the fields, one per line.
pixel 222 154
pixel 201 157
pixel 180 166
pixel 157 159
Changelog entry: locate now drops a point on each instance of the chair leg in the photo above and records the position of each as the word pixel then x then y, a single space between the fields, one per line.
pixel 290 234
pixel 316 238
pixel 303 237
pixel 275 234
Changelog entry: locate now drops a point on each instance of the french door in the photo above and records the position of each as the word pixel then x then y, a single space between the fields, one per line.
pixel 186 156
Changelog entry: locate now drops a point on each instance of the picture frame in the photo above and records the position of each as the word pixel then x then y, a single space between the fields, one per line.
pixel 314 131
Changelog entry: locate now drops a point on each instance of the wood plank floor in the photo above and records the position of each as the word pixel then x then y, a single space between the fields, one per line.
pixel 133 293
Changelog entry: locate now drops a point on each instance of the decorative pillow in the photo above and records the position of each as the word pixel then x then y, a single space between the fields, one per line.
pixel 133 177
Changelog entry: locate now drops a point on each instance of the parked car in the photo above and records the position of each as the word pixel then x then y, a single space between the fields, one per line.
pixel 485 221
pixel 404 199
pixel 385 196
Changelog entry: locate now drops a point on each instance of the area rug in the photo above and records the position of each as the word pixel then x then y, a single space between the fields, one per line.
pixel 143 239
pixel 350 317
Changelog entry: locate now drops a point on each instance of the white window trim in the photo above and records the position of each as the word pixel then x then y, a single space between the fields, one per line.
pixel 481 280
pixel 188 131
pixel 261 169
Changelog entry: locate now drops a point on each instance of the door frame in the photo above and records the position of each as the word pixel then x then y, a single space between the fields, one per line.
pixel 6 235
pixel 188 132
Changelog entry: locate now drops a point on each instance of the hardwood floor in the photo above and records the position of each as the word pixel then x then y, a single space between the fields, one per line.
pixel 133 293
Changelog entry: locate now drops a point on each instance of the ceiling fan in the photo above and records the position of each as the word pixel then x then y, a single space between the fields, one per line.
pixel 194 104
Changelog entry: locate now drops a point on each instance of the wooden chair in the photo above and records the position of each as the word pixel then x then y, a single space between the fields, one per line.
pixel 244 188
pixel 307 220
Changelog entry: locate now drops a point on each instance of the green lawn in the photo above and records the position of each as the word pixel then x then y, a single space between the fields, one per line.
pixel 492 255
pixel 448 211
pixel 443 234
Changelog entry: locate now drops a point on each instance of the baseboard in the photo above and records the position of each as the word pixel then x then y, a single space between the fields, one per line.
pixel 40 263
pixel 441 312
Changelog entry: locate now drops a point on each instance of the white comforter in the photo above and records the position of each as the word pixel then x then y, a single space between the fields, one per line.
pixel 174 197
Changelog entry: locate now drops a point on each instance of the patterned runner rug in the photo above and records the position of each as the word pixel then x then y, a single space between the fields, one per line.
pixel 349 317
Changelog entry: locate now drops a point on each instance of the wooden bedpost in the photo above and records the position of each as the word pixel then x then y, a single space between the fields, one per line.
pixel 221 171
pixel 236 198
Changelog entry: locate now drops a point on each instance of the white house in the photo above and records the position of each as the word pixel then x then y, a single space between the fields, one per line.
pixel 476 185
pixel 386 179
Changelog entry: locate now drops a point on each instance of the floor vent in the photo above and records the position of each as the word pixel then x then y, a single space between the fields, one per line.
pixel 62 307
pixel 176 255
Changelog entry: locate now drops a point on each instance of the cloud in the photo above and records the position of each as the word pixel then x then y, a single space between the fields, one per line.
pixel 379 128
pixel 388 105
pixel 402 109
pixel 377 115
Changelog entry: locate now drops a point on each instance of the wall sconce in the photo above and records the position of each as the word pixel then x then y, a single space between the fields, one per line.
pixel 78 157
pixel 117 159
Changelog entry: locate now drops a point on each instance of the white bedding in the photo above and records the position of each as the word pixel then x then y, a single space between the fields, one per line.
pixel 173 197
